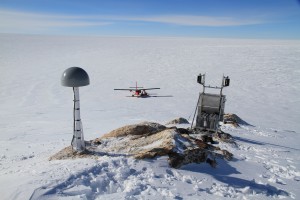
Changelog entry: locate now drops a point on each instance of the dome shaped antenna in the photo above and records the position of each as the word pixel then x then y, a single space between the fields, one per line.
pixel 76 77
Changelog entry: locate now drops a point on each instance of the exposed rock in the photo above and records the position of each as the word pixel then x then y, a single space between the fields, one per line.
pixel 197 155
pixel 142 129
pixel 222 136
pixel 148 140
pixel 203 153
pixel 179 120
pixel 136 146
pixel 207 138
pixel 69 153
pixel 211 136
pixel 234 120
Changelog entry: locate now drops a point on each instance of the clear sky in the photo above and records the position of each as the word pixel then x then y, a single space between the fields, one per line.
pixel 272 19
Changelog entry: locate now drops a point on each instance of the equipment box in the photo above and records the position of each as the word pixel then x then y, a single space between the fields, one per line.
pixel 210 111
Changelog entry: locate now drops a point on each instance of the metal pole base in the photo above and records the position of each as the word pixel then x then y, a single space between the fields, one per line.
pixel 78 143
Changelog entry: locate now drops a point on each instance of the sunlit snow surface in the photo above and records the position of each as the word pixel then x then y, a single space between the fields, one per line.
pixel 36 116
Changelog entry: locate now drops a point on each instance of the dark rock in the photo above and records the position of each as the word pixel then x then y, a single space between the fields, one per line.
pixel 179 120
pixel 235 120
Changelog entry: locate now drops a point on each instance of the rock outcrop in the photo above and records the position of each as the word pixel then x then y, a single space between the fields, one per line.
pixel 149 140
pixel 141 129
pixel 179 120
pixel 234 120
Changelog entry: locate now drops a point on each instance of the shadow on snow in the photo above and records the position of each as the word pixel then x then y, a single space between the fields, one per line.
pixel 223 174
pixel 262 143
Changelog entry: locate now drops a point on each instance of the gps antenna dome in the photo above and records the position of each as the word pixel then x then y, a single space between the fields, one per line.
pixel 76 77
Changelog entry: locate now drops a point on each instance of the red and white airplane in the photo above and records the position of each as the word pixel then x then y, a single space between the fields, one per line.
pixel 139 91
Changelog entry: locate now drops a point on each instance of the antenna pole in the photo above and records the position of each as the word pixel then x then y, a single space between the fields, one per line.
pixel 195 111
pixel 220 103
pixel 203 91
pixel 78 143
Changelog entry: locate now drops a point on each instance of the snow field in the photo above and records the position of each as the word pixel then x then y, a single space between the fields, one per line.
pixel 36 116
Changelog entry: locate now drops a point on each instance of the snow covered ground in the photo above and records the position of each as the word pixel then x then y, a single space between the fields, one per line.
pixel 36 116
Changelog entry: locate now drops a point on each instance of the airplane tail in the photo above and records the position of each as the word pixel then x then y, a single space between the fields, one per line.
pixel 136 86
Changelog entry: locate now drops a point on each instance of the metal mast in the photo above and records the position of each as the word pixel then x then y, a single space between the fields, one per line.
pixel 78 143
pixel 76 77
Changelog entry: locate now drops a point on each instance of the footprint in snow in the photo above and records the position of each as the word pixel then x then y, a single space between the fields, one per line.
pixel 169 171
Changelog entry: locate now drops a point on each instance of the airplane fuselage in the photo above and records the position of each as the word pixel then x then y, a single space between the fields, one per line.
pixel 139 93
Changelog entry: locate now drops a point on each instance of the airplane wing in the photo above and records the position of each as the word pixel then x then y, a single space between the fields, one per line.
pixel 125 89
pixel 151 89
pixel 131 89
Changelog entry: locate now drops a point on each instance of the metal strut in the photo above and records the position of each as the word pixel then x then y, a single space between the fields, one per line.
pixel 77 143
pixel 195 111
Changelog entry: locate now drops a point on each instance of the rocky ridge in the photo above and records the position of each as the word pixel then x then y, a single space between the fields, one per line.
pixel 149 140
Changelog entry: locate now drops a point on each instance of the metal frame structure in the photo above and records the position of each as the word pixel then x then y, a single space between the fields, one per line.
pixel 207 102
